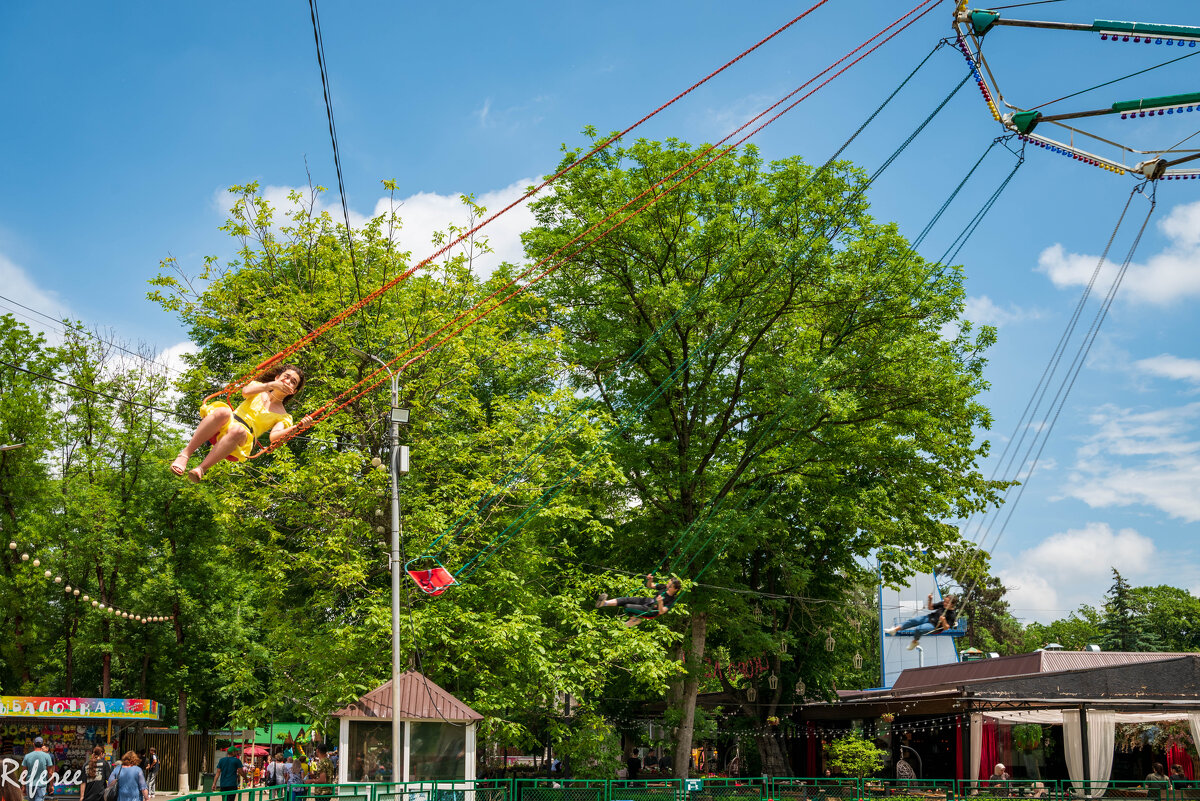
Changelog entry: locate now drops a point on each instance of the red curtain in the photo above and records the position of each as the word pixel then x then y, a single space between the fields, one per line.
pixel 1178 756
pixel 958 751
pixel 813 768
pixel 989 754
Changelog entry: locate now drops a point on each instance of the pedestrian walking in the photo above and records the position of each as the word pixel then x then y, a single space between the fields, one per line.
pixel 40 767
pixel 95 776
pixel 150 764
pixel 129 779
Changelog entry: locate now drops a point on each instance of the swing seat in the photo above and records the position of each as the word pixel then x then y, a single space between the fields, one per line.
pixel 431 580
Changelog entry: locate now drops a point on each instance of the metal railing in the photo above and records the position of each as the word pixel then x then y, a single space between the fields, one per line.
pixel 720 789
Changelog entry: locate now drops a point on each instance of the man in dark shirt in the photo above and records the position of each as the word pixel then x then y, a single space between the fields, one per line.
pixel 644 607
pixel 940 618
pixel 229 770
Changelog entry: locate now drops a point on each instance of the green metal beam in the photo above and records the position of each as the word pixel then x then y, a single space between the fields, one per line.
pixel 1191 98
pixel 1146 29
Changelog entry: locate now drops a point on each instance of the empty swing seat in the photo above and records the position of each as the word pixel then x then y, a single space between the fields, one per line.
pixel 432 580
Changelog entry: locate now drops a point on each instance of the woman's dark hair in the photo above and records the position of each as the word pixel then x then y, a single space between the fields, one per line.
pixel 97 755
pixel 272 373
pixel 1157 766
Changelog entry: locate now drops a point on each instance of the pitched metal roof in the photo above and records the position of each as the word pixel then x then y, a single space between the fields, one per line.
pixel 418 699
pixel 942 678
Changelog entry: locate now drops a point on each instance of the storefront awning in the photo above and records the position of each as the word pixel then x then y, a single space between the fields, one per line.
pixel 45 707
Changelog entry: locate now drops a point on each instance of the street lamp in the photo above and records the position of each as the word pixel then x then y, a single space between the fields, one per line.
pixel 399 466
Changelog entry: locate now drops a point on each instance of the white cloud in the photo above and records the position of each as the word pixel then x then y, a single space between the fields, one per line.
pixel 1074 567
pixel 718 122
pixel 1147 458
pixel 424 214
pixel 983 310
pixel 1168 276
pixel 17 286
pixel 172 358
pixel 1167 366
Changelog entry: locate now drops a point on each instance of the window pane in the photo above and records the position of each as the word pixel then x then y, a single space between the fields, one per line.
pixel 437 751
pixel 370 756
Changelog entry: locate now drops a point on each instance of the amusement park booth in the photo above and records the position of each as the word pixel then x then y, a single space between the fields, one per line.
pixel 439 734
pixel 70 726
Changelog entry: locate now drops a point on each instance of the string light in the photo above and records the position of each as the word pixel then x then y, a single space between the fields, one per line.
pixel 75 592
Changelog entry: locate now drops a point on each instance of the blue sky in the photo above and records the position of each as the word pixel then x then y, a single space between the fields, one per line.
pixel 127 121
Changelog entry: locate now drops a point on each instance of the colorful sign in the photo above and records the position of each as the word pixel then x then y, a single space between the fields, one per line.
pixel 19 706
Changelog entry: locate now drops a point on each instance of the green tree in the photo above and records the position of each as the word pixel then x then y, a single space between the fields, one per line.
pixel 1074 632
pixel 854 755
pixel 1170 615
pixel 27 397
pixel 308 521
pixel 1121 628
pixel 803 411
pixel 990 624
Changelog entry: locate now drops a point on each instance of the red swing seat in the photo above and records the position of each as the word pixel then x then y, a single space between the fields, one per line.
pixel 431 580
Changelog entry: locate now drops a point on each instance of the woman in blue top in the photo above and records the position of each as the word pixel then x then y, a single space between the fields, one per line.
pixel 129 779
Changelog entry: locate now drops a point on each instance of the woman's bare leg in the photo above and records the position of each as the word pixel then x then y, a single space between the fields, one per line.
pixel 234 437
pixel 209 427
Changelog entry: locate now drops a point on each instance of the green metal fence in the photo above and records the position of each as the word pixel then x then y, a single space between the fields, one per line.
pixel 752 789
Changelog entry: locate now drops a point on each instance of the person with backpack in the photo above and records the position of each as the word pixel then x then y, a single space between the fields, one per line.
pixel 95 776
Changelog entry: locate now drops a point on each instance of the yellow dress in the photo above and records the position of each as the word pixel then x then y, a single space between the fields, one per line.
pixel 259 419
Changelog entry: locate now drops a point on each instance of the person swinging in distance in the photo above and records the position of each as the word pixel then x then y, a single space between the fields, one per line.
pixel 940 617
pixel 233 432
pixel 644 607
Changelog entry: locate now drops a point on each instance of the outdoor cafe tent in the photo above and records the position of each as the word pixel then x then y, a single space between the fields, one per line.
pixel 439 734
pixel 1085 692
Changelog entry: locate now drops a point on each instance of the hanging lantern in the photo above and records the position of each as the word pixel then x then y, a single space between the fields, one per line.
pixel 24 557
pixel 830 642
pixel 783 646
pixel 75 593
pixel 857 660
pixel 47 574
pixel 12 546
pixel 751 694
pixel 67 588
pixel 800 687
pixel 84 598
pixel 58 579
pixel 758 613
pixel 37 562
pixel 857 624
pixel 772 681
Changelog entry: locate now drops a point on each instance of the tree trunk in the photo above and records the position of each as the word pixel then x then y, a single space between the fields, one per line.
pixel 691 686
pixel 184 788
pixel 775 760
pixel 69 666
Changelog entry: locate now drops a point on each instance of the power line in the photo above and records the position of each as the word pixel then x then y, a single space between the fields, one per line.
pixel 337 159
pixel 96 392
pixel 65 326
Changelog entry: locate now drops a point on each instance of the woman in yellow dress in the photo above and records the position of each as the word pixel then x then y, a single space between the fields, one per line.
pixel 233 432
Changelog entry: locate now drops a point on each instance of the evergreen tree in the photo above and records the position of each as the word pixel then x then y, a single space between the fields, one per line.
pixel 1122 629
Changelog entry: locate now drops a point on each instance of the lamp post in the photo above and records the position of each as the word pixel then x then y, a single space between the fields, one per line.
pixel 399 463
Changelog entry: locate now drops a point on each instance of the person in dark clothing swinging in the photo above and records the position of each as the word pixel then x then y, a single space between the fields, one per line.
pixel 642 608
pixel 940 617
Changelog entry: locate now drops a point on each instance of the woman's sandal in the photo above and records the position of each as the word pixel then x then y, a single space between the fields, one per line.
pixel 179 466
pixel 195 475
